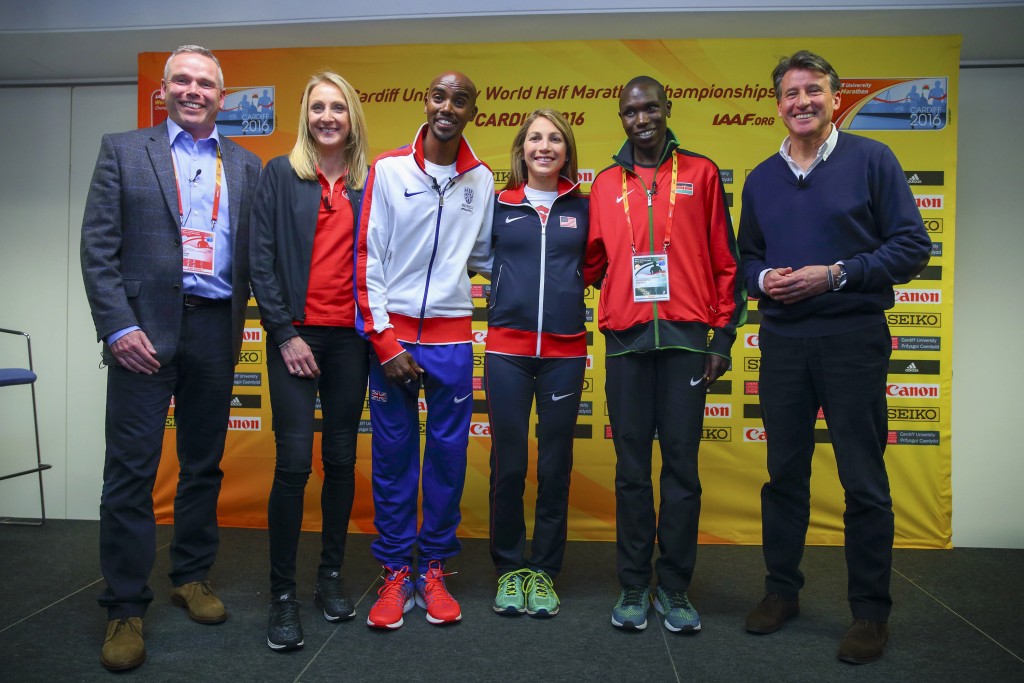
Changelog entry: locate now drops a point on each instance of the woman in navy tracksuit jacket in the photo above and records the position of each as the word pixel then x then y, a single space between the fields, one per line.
pixel 536 349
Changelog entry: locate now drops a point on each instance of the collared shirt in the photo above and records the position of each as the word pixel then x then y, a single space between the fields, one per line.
pixel 192 156
pixel 826 148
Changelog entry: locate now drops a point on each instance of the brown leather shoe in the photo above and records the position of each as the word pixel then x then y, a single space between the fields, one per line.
pixel 771 614
pixel 123 647
pixel 202 605
pixel 864 642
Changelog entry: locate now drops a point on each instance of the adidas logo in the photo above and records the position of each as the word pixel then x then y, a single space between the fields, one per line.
pixel 236 402
pixel 914 179
pixel 911 368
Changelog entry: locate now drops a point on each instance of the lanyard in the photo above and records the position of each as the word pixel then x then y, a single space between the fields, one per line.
pixel 216 192
pixel 650 202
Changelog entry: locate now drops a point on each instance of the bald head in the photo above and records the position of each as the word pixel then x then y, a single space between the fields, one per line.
pixel 450 106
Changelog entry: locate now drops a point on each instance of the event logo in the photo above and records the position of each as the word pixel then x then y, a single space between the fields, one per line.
pixel 900 390
pixel 912 438
pixel 247 112
pixel 913 414
pixel 918 296
pixel 478 384
pixel 930 201
pixel 750 388
pixel 250 357
pixel 917 343
pixel 716 434
pixel 245 424
pixel 252 334
pixel 917 104
pixel 913 319
pixel 754 434
pixel 751 341
pixel 248 379
pixel 480 291
pixel 925 177
pixel 364 427
pixel 718 410
pixel 607 431
pixel 480 429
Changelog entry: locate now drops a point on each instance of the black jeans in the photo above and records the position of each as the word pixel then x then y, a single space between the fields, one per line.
pixel 648 392
pixel 845 375
pixel 343 358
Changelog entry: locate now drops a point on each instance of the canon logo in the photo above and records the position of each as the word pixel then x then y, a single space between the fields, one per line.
pixel 421 404
pixel 929 201
pixel 252 334
pixel 750 341
pixel 897 390
pixel 245 424
pixel 718 410
pixel 754 434
pixel 590 361
pixel 479 336
pixel 479 428
pixel 586 175
pixel 918 296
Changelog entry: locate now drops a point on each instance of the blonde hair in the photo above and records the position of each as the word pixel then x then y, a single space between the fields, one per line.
pixel 305 155
pixel 518 174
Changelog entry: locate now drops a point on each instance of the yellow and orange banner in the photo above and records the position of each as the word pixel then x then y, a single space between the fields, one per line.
pixel 901 91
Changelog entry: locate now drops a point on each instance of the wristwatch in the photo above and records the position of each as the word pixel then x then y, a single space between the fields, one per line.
pixel 840 281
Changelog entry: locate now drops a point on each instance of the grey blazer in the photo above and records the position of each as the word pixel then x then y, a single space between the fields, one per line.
pixel 131 243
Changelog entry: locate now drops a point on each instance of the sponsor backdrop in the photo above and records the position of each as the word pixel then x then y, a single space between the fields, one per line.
pixel 901 91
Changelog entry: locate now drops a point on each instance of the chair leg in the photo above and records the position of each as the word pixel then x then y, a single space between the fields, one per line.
pixel 39 469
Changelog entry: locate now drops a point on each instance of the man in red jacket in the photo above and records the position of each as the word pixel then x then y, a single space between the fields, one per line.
pixel 662 245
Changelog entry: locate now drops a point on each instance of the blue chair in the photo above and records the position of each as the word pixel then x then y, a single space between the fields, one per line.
pixel 12 377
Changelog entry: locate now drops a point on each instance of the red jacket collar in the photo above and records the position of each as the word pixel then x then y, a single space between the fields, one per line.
pixel 465 158
pixel 517 195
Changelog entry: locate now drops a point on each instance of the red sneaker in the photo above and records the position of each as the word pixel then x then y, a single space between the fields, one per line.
pixel 394 601
pixel 433 596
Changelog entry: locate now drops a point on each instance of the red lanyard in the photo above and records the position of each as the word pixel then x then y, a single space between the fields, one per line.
pixel 650 202
pixel 216 192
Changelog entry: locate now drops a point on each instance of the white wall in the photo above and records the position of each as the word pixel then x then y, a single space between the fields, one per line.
pixel 52 137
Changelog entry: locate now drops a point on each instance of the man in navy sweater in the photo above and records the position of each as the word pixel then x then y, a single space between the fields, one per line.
pixel 828 226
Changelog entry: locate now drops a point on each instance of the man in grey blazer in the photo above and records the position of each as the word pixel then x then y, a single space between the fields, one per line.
pixel 165 243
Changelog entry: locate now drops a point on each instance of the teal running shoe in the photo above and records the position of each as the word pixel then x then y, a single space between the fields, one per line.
pixel 511 597
pixel 630 612
pixel 679 613
pixel 541 598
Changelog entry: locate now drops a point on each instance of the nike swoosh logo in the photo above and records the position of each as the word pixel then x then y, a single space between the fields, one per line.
pixel 509 219
pixel 618 200
pixel 556 397
pixel 695 381
pixel 460 400
pixel 413 194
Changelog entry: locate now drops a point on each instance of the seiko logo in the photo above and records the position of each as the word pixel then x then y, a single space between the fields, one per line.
pixel 754 434
pixel 252 334
pixel 250 358
pixel 716 434
pixel 918 296
pixel 898 390
pixel 929 201
pixel 751 341
pixel 752 363
pixel 933 225
pixel 913 319
pixel 245 424
pixel 914 414
pixel 718 410
pixel 478 360
pixel 479 428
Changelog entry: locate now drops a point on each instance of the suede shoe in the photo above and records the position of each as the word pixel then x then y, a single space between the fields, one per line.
pixel 123 647
pixel 864 642
pixel 771 614
pixel 199 600
pixel 328 596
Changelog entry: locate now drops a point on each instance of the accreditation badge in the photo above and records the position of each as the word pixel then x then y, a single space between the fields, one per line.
pixel 197 251
pixel 650 277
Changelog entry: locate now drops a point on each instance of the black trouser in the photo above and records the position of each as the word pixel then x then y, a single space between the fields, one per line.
pixel 343 358
pixel 512 383
pixel 845 375
pixel 200 377
pixel 657 390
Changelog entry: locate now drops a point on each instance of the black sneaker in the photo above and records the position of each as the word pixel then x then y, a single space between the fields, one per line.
pixel 328 596
pixel 284 631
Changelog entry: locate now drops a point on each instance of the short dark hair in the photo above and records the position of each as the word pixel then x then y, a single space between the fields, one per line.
pixel 645 81
pixel 804 59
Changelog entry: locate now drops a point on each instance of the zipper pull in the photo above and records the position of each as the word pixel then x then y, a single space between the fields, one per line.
pixel 650 198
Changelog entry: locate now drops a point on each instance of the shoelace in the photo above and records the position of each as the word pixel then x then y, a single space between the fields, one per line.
pixel 288 613
pixel 433 582
pixel 508 579
pixel 204 586
pixel 540 583
pixel 677 600
pixel 125 624
pixel 330 587
pixel 394 585
pixel 632 595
